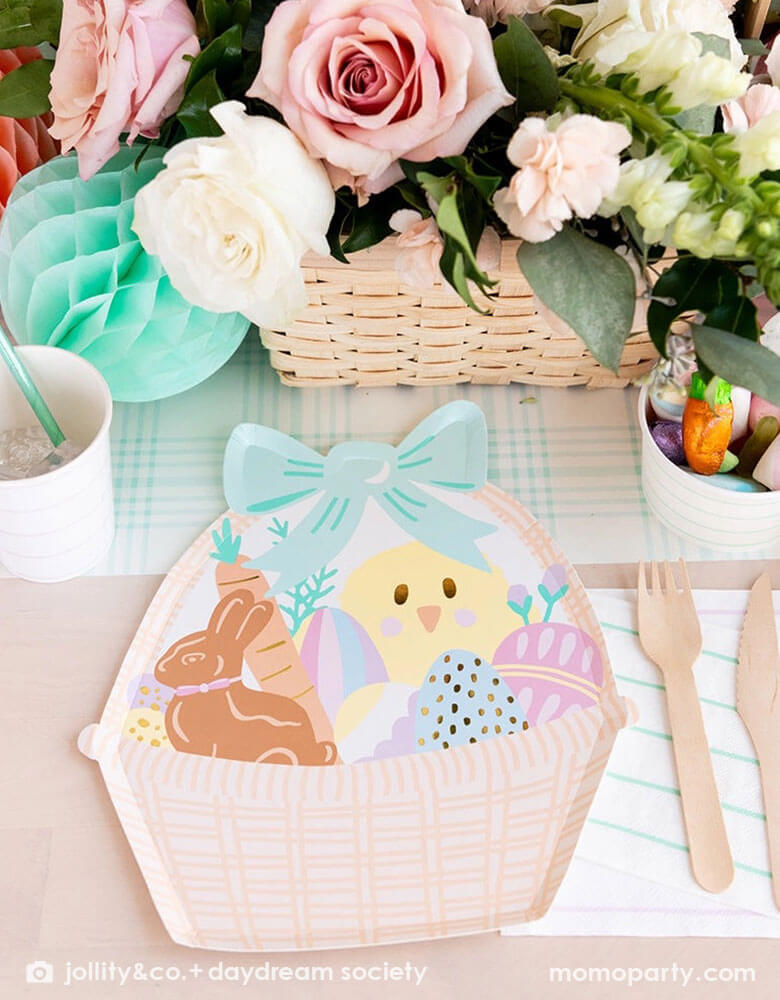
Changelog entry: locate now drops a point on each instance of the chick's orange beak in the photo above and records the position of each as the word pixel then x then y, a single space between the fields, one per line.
pixel 429 615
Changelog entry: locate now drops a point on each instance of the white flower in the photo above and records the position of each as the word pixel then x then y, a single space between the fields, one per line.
pixel 697 232
pixel 563 171
pixel 644 185
pixel 605 19
pixel 773 62
pixel 655 56
pixel 710 80
pixel 230 217
pixel 759 147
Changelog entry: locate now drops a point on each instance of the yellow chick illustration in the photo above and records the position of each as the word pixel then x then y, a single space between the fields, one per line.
pixel 415 604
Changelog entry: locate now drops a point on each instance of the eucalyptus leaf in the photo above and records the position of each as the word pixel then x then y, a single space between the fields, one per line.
pixel 24 92
pixel 29 22
pixel 528 74
pixel 713 43
pixel 587 285
pixel 739 361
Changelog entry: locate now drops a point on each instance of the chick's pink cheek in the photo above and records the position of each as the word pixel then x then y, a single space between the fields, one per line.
pixel 391 626
pixel 465 617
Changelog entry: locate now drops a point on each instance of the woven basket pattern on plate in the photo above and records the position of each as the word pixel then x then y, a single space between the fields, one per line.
pixel 252 857
pixel 362 326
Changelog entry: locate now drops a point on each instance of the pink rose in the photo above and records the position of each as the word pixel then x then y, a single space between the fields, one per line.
pixel 419 248
pixel 493 11
pixel 565 172
pixel 120 67
pixel 364 83
pixel 756 103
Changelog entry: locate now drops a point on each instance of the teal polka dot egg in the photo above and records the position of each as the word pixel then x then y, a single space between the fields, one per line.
pixel 73 274
pixel 464 700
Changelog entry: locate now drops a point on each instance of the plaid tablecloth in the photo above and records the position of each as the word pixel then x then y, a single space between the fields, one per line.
pixel 571 456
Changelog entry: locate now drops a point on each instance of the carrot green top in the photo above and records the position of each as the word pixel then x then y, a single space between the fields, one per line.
pixel 717 392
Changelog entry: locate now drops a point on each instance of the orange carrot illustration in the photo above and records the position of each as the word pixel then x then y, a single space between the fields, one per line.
pixel 273 657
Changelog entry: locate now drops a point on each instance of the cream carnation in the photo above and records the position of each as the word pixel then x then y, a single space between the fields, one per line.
pixel 230 217
pixel 562 173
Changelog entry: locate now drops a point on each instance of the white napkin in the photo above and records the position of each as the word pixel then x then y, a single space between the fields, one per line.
pixel 631 873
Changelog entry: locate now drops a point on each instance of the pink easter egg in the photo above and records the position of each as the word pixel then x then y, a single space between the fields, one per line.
pixel 761 408
pixel 552 668
pixel 339 657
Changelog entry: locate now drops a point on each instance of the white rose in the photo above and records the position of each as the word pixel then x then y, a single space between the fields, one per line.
pixel 645 187
pixel 603 20
pixel 759 147
pixel 230 217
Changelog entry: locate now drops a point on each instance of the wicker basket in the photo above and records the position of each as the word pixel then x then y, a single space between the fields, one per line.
pixel 363 327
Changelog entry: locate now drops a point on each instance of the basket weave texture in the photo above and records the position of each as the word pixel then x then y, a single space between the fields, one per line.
pixel 362 326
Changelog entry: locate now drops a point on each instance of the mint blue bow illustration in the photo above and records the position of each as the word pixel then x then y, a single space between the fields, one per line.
pixel 266 471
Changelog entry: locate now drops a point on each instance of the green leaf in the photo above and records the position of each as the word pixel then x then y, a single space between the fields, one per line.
pixel 738 315
pixel 739 361
pixel 194 112
pixel 223 55
pixel 367 225
pixel 753 47
pixel 713 43
pixel 528 74
pixel 486 184
pixel 587 285
pixel 24 92
pixel 693 285
pixel 29 22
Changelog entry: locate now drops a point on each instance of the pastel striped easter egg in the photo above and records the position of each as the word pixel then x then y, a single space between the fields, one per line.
pixel 552 669
pixel 339 657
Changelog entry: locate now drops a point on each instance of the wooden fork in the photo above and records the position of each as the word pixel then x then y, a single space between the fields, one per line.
pixel 670 635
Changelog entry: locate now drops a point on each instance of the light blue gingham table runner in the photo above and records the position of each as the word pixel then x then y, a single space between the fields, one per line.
pixel 571 456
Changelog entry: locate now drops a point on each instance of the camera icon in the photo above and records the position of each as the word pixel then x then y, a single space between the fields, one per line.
pixel 39 972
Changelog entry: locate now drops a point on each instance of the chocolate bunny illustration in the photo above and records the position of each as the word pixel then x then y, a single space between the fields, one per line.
pixel 212 713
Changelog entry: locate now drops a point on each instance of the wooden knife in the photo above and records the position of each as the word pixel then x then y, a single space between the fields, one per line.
pixel 758 703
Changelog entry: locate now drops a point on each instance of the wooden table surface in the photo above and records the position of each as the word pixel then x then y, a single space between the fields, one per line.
pixel 70 891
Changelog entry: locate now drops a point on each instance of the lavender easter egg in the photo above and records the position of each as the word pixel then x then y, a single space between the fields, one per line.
pixel 463 700
pixel 551 668
pixel 339 657
pixel 668 435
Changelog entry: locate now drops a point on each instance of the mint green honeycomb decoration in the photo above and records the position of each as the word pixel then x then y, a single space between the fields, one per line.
pixel 73 274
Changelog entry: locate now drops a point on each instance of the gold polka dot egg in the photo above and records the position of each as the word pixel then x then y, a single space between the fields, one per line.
pixel 463 700
pixel 145 721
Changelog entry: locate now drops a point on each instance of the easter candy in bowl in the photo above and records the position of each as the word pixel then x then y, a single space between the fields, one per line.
pixel 551 668
pixel 73 274
pixel 464 700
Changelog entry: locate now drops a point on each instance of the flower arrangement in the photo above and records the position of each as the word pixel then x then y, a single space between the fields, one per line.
pixel 602 134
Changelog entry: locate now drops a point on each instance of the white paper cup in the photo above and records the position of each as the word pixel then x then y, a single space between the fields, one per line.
pixel 59 525
pixel 717 518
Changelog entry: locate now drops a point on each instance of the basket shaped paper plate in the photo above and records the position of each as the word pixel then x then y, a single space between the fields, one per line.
pixel 372 703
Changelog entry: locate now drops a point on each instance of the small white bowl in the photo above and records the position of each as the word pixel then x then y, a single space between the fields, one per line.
pixel 59 525
pixel 694 509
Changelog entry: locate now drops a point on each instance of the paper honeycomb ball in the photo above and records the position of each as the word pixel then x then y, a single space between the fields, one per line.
pixel 73 274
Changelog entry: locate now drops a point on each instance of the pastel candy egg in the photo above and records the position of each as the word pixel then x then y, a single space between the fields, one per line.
pixel 147 692
pixel 552 668
pixel 668 400
pixel 761 408
pixel 463 700
pixel 339 657
pixel 767 471
pixel 740 399
pixel 737 484
pixel 146 726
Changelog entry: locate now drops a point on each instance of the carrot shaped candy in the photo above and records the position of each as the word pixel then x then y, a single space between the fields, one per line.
pixel 272 657
pixel 707 420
